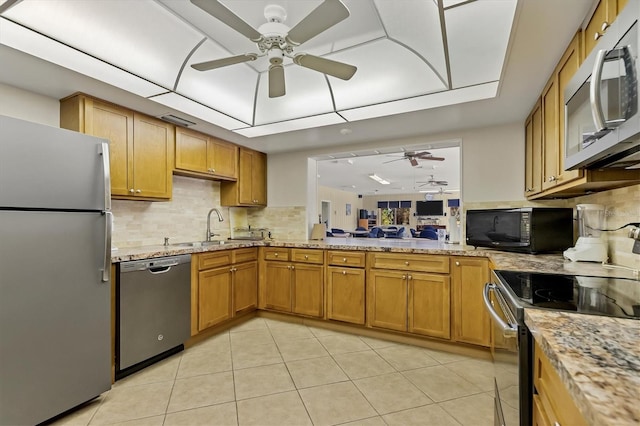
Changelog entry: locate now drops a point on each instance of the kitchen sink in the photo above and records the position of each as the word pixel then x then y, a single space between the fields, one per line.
pixel 199 243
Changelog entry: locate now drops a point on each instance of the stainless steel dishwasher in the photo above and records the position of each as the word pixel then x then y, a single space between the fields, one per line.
pixel 153 317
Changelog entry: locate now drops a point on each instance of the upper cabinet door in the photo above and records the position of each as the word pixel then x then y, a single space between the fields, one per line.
pixel 223 158
pixel 191 151
pixel 204 156
pixel 152 155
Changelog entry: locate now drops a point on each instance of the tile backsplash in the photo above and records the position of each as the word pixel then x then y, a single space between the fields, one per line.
pixel 184 218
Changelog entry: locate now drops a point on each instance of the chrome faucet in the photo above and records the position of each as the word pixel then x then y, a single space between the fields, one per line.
pixel 220 219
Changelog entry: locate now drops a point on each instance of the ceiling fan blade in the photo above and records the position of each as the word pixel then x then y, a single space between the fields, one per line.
pixel 326 66
pixel 391 161
pixel 413 161
pixel 276 81
pixel 323 17
pixel 226 16
pixel 219 63
pixel 430 157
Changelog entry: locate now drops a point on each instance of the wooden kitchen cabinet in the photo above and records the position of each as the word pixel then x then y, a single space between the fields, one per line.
pixel 471 323
pixel 346 286
pixel 141 148
pixel 201 155
pixel 533 152
pixel 412 293
pixel 294 286
pixel 224 285
pixel 251 187
pixel 552 403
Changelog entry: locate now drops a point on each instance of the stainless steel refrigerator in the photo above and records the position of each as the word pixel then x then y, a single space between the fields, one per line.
pixel 55 250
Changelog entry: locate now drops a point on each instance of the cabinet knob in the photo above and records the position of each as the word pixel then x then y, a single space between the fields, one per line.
pixel 552 179
pixel 344 272
pixel 306 257
pixel 213 170
pixel 597 35
pixel 409 277
pixel 293 267
pixel 404 277
pixel 138 191
pixel 457 263
pixel 132 190
pixel 406 263
pixel 275 255
pixel 604 26
pixel 344 259
pixel 230 269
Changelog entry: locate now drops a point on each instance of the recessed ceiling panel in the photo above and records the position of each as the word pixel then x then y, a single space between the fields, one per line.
pixel 417 25
pixel 386 71
pixel 306 94
pixel 478 35
pixel 230 89
pixel 289 126
pixel 139 36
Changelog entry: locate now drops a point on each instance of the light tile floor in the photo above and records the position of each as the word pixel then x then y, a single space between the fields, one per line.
pixel 268 372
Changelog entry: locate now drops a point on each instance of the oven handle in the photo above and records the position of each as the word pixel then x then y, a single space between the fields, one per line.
pixel 508 330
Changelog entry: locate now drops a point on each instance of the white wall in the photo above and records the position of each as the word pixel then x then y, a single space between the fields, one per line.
pixel 29 106
pixel 339 200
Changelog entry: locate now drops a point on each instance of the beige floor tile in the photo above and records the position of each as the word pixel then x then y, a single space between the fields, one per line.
pixel 293 350
pixel 476 410
pixel 320 332
pixel 83 414
pixel 377 343
pixel 147 421
pixel 200 391
pixel 427 415
pixel 405 357
pixel 161 371
pixel 203 362
pixel 250 325
pixel 216 344
pixel 371 421
pixel 219 415
pixel 478 372
pixel 255 356
pixel 315 372
pixel 441 384
pixel 391 392
pixel 358 365
pixel 260 381
pixel 250 338
pixel 291 333
pixel 273 324
pixel 343 343
pixel 336 403
pixel 445 357
pixel 133 402
pixel 281 409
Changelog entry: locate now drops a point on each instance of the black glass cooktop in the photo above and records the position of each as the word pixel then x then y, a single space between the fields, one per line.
pixel 618 297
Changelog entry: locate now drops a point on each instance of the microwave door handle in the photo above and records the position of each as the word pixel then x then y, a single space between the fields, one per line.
pixel 594 91
pixel 507 329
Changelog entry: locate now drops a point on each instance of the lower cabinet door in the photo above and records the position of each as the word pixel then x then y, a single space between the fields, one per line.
pixel 278 286
pixel 308 289
pixel 245 287
pixel 429 305
pixel 214 296
pixel 387 300
pixel 345 294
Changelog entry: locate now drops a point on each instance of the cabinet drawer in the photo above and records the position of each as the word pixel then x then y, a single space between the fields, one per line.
pixel 307 256
pixel 215 259
pixel 346 258
pixel 276 253
pixel 245 254
pixel 410 262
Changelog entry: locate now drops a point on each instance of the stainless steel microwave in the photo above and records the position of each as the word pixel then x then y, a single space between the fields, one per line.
pixel 601 101
pixel 526 229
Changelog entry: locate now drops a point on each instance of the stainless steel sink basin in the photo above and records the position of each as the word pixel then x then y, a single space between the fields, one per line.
pixel 199 243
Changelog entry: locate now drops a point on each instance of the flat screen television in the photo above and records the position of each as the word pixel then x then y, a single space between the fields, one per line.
pixel 429 208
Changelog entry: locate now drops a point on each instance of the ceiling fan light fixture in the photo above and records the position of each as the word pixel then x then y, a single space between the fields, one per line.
pixel 378 179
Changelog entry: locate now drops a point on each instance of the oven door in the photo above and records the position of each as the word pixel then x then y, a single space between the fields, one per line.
pixel 510 408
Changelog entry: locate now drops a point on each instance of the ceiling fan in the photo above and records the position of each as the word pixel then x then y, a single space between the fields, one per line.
pixel 434 182
pixel 413 157
pixel 275 40
pixel 440 191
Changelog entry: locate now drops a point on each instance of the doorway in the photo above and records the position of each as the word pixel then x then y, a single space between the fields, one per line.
pixel 325 215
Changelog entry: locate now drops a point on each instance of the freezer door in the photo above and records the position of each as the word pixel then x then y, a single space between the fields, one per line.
pixel 50 168
pixel 55 328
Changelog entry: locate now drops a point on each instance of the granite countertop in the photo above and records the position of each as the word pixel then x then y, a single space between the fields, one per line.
pixel 597 359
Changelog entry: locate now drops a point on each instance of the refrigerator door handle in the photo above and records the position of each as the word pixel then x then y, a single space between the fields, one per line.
pixel 104 151
pixel 106 271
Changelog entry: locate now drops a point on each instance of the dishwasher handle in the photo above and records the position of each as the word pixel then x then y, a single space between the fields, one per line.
pixel 508 328
pixel 160 269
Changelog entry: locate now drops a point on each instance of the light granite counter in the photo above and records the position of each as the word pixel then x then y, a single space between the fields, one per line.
pixel 597 359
